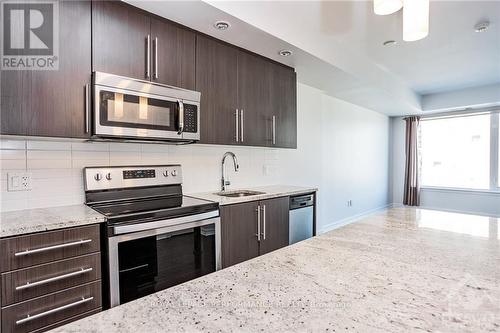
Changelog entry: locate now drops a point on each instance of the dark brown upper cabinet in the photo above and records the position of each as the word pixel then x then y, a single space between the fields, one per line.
pixel 173 54
pixel 253 228
pixel 119 36
pixel 254 98
pixel 246 99
pixel 53 102
pixel 282 127
pixel 133 43
pixel 217 79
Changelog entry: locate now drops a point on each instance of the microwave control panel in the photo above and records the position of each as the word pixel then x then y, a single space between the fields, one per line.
pixel 190 118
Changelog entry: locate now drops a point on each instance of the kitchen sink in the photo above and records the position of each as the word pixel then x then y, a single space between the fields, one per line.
pixel 238 194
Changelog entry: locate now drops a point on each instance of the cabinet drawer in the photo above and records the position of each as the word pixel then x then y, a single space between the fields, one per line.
pixel 48 310
pixel 25 251
pixel 44 279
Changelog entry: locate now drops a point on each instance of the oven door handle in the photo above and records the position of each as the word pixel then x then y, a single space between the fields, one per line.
pixel 181 117
pixel 144 226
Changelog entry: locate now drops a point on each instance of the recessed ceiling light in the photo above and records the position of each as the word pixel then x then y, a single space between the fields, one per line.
pixel 389 42
pixel 482 26
pixel 222 25
pixel 285 53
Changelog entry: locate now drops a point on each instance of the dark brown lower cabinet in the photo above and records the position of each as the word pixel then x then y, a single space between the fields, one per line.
pixel 239 230
pixel 49 311
pixel 253 228
pixel 49 278
pixel 274 219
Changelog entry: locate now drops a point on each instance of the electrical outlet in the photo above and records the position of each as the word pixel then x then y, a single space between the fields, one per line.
pixel 349 203
pixel 19 181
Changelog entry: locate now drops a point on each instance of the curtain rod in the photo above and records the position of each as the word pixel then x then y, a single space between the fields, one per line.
pixel 462 113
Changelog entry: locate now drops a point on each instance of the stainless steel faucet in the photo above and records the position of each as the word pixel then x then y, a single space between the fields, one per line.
pixel 225 182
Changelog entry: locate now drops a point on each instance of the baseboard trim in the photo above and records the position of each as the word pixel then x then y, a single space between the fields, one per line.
pixel 351 219
pixel 458 211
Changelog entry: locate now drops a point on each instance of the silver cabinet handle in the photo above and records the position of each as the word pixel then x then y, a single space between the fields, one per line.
pixel 148 56
pixel 87 106
pixel 237 125
pixel 264 222
pixel 242 124
pixel 155 46
pixel 53 247
pixel 258 223
pixel 46 313
pixel 274 130
pixel 181 117
pixel 55 278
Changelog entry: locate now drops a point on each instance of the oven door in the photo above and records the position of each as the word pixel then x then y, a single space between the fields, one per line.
pixel 131 114
pixel 145 262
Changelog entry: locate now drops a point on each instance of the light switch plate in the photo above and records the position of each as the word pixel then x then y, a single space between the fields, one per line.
pixel 19 181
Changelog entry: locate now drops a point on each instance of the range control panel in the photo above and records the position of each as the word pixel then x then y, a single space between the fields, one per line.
pixel 138 174
pixel 103 178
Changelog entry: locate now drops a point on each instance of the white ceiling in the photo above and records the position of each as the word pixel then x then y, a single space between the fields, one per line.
pixel 338 46
pixel 453 56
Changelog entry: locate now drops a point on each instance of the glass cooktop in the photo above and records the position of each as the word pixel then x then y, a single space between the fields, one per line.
pixel 154 208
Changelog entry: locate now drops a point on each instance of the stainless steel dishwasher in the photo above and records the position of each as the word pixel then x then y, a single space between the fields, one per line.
pixel 301 218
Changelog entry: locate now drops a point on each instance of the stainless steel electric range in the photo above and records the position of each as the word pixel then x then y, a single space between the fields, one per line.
pixel 156 237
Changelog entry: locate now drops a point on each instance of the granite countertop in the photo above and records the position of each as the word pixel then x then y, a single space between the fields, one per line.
pixel 398 270
pixel 271 191
pixel 44 219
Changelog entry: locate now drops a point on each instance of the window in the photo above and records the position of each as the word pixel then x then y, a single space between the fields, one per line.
pixel 496 140
pixel 460 152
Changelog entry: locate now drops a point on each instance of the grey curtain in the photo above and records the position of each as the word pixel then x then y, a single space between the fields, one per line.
pixel 412 186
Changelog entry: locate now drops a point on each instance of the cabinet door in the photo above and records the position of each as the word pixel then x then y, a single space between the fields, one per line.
pixel 216 79
pixel 173 58
pixel 52 103
pixel 274 224
pixel 283 131
pixel 239 229
pixel 119 38
pixel 15 101
pixel 254 98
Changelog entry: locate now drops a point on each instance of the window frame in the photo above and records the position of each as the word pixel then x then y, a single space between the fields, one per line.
pixel 494 151
pixel 494 184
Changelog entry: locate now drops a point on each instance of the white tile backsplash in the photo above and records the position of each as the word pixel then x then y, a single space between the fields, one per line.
pixel 56 167
pixel 48 145
pixel 12 144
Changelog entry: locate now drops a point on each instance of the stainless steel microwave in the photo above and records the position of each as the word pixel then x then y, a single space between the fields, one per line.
pixel 131 109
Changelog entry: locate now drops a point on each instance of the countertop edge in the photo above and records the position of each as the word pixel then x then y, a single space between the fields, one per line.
pixel 49 221
pixel 224 201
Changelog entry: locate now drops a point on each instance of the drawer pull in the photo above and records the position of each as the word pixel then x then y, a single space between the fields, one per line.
pixel 55 278
pixel 46 313
pixel 54 247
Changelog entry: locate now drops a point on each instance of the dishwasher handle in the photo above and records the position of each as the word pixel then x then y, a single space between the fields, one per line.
pixel 301 201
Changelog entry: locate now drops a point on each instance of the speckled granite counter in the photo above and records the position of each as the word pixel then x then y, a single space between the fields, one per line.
pixel 272 191
pixel 43 219
pixel 398 271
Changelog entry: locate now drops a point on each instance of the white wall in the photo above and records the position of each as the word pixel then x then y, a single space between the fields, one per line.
pixel 355 160
pixel 475 202
pixel 342 150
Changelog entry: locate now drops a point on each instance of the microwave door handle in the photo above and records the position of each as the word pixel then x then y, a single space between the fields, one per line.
pixel 181 117
pixel 148 56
